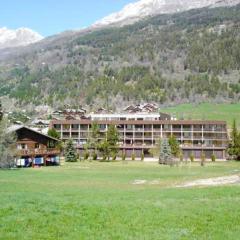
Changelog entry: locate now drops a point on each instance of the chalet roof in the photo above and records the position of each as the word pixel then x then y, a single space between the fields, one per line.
pixel 16 128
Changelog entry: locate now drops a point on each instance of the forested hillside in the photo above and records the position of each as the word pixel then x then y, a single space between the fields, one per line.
pixel 187 57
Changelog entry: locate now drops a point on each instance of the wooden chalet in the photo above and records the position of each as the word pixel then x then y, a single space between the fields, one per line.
pixel 35 149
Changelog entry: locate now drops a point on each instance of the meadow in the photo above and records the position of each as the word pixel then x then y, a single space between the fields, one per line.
pixel 207 111
pixel 96 200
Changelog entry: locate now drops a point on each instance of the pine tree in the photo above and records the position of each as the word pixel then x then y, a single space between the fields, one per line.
pixel 234 146
pixel 70 152
pixel 165 156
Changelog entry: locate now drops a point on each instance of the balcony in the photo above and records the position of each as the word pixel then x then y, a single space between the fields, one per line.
pixel 33 152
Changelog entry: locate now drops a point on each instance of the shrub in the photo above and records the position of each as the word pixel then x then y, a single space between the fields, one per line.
pixel 86 155
pixel 142 157
pixel 123 156
pixel 114 157
pixel 94 156
pixel 133 157
pixel 181 157
pixel 213 157
pixel 192 158
pixel 203 159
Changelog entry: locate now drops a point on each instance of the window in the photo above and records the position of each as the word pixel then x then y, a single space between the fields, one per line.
pixel 66 127
pixel 22 146
pixel 57 126
pixel 75 126
pixel 37 146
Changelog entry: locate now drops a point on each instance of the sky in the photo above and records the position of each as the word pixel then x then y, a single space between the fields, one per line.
pixel 49 17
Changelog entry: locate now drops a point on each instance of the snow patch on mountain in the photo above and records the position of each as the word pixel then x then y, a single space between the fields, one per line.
pixel 143 8
pixel 19 37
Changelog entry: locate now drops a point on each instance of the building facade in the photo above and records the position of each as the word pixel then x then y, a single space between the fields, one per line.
pixel 35 149
pixel 140 133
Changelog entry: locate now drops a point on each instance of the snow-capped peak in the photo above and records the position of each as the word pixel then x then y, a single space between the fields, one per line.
pixel 135 11
pixel 19 37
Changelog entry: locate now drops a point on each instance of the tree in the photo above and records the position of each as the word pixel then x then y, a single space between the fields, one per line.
pixel 113 138
pixel 53 133
pixel 109 146
pixel 1 111
pixel 165 156
pixel 156 150
pixel 70 152
pixel 174 144
pixel 93 139
pixel 7 146
pixel 234 146
pixel 104 148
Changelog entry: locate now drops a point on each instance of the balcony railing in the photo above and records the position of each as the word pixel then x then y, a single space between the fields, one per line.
pixel 30 152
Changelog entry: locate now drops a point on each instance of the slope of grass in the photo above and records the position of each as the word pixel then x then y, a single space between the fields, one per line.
pixel 99 201
pixel 209 111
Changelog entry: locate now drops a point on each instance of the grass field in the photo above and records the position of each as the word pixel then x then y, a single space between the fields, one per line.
pixel 98 201
pixel 207 111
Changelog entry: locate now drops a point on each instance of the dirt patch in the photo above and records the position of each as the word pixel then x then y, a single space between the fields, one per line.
pixel 139 182
pixel 142 182
pixel 218 181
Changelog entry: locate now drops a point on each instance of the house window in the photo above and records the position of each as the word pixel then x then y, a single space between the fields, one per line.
pixel 37 146
pixel 22 146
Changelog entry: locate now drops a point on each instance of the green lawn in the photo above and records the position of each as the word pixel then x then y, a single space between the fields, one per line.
pixel 98 201
pixel 207 111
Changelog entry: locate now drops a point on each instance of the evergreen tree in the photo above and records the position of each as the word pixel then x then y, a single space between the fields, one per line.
pixel 7 146
pixel 165 156
pixel 174 144
pixel 70 152
pixel 234 146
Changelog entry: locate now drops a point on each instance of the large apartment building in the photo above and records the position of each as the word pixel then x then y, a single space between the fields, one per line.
pixel 139 132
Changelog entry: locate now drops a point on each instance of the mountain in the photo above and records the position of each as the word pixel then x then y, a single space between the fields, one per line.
pixel 19 37
pixel 143 8
pixel 190 56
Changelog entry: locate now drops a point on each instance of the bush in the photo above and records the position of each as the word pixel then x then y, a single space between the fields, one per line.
pixel 86 155
pixel 213 157
pixel 114 157
pixel 123 156
pixel 133 157
pixel 203 159
pixel 142 157
pixel 94 156
pixel 181 157
pixel 192 158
